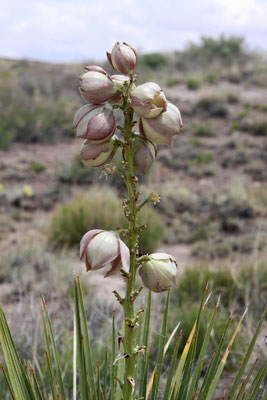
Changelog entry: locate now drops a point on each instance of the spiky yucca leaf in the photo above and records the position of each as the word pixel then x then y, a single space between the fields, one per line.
pixel 182 380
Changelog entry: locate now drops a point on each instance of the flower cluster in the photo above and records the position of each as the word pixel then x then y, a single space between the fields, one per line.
pixel 95 122
pixel 159 120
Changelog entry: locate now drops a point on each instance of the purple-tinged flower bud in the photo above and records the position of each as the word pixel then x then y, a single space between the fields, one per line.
pixel 96 85
pixel 101 248
pixel 159 272
pixel 145 153
pixel 95 123
pixel 97 154
pixel 148 100
pixel 122 58
pixel 161 129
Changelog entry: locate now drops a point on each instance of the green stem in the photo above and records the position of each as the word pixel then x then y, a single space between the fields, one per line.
pixel 128 306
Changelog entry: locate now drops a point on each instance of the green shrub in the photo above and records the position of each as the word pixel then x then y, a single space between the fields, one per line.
pixel 225 50
pixel 77 173
pixel 172 82
pixel 99 208
pixel 232 98
pixel 239 289
pixel 195 142
pixel 212 106
pixel 202 158
pixel 206 250
pixel 193 84
pixel 244 113
pixel 256 128
pixel 36 166
pixel 7 137
pixel 211 78
pixel 36 104
pixel 235 126
pixel 152 60
pixel 202 130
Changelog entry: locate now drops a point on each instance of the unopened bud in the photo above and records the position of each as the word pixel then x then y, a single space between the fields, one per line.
pixel 96 85
pixel 101 248
pixel 161 129
pixel 145 153
pixel 122 58
pixel 95 123
pixel 148 100
pixel 154 198
pixel 97 154
pixel 159 272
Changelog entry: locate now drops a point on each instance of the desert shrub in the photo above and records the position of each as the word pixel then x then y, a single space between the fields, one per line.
pixel 202 130
pixel 201 232
pixel 206 250
pixel 36 104
pixel 227 50
pixel 232 98
pixel 244 113
pixel 196 142
pixel 7 137
pixel 172 82
pixel 78 174
pixel 239 289
pixel 193 84
pixel 235 126
pixel 212 106
pixel 256 128
pixel 152 60
pixel 3 272
pixel 99 208
pixel 202 158
pixel 211 78
pixel 36 166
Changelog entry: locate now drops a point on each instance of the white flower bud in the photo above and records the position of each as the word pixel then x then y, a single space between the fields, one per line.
pixel 161 129
pixel 95 123
pixel 101 248
pixel 96 85
pixel 148 100
pixel 145 153
pixel 122 58
pixel 97 154
pixel 159 272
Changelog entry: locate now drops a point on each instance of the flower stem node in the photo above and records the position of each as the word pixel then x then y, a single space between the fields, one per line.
pixel 122 58
pixel 159 272
pixel 101 248
pixel 121 82
pixel 109 169
pixel 118 297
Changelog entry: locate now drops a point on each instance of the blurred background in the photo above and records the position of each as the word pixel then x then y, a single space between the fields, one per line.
pixel 209 57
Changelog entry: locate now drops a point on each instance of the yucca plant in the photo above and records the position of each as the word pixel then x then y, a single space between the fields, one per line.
pixel 128 371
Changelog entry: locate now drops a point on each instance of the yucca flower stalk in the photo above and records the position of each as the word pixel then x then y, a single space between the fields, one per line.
pixel 126 372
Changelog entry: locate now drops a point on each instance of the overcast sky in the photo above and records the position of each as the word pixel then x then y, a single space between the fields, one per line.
pixel 75 30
